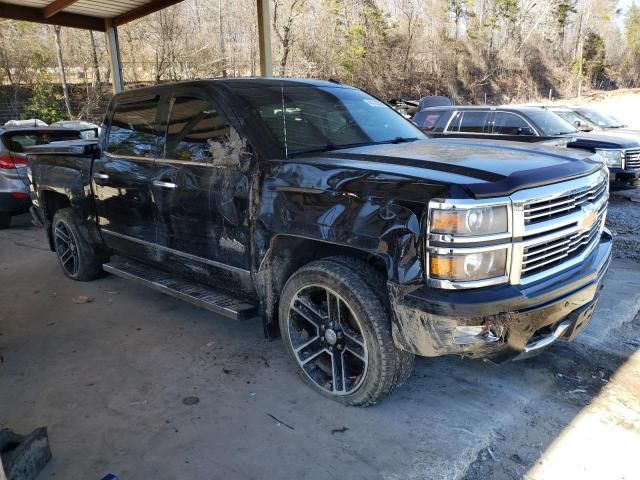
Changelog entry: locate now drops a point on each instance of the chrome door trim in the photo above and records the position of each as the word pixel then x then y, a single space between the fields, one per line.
pixel 213 263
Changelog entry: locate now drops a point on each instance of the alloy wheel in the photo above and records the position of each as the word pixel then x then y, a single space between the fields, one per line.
pixel 327 339
pixel 66 248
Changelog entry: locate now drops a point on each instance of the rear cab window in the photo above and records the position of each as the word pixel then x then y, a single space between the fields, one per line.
pixel 134 131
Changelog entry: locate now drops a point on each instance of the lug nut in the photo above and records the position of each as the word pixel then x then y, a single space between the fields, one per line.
pixel 340 347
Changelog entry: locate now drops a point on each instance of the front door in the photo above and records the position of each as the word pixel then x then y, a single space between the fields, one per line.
pixel 121 177
pixel 204 209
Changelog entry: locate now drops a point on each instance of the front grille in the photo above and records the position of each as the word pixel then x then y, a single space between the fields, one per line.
pixel 549 254
pixel 632 159
pixel 543 210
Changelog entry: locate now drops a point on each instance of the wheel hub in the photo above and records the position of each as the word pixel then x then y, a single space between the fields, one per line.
pixel 331 336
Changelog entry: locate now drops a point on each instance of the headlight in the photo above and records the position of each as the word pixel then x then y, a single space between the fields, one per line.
pixel 612 158
pixel 470 222
pixel 468 267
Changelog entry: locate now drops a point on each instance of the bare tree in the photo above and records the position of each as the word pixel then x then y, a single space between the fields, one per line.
pixel 63 76
pixel 283 28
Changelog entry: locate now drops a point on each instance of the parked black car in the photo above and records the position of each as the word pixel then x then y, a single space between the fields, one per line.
pixel 323 211
pixel 532 124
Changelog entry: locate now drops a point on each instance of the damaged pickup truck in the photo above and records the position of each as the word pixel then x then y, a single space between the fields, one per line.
pixel 319 209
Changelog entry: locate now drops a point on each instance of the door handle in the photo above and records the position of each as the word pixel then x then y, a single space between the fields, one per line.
pixel 163 184
pixel 101 176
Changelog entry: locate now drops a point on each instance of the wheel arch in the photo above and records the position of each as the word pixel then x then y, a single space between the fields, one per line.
pixel 288 253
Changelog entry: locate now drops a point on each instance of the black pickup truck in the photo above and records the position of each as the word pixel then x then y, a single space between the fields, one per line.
pixel 321 210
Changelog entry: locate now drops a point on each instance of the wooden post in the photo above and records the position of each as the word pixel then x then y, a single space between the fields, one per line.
pixel 264 38
pixel 113 49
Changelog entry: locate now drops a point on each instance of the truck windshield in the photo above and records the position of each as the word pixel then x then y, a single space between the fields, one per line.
pixel 550 124
pixel 307 119
pixel 600 119
pixel 573 118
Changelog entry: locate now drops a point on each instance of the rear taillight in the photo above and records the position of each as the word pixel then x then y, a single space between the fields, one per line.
pixel 19 195
pixel 6 162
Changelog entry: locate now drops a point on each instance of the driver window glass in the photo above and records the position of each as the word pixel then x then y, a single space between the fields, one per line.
pixel 474 122
pixel 506 123
pixel 195 127
pixel 133 131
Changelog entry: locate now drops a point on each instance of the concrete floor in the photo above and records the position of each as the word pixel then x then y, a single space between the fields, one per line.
pixel 109 377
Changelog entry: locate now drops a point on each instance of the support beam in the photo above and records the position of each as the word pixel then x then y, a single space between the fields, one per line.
pixel 30 14
pixel 56 7
pixel 113 49
pixel 264 38
pixel 143 11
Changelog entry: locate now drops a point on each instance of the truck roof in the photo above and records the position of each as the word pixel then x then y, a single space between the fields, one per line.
pixel 235 84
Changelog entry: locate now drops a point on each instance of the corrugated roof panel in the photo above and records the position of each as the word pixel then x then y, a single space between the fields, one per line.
pixel 104 9
pixel 29 3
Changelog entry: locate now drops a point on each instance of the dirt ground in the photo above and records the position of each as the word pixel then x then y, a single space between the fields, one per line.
pixel 145 386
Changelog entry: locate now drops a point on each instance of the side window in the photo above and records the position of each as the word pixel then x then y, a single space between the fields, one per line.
pixel 473 122
pixel 133 130
pixel 196 130
pixel 506 123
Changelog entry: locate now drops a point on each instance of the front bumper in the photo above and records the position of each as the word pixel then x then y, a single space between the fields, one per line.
pixel 622 176
pixel 501 322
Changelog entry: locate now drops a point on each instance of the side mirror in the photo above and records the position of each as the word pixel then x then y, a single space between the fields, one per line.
pixel 526 131
pixel 577 123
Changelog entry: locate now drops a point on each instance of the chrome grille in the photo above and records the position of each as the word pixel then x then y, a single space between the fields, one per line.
pixel 632 159
pixel 542 256
pixel 543 210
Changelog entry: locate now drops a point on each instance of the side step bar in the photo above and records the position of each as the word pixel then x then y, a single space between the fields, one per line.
pixel 200 295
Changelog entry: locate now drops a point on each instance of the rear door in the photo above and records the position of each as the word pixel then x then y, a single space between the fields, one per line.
pixel 122 176
pixel 201 186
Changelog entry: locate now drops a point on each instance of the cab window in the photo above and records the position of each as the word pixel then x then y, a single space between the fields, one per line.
pixel 133 131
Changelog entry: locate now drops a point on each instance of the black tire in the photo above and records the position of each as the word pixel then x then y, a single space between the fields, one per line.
pixel 78 259
pixel 375 367
pixel 5 220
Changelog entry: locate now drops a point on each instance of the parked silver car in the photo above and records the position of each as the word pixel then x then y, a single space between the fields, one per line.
pixel 14 184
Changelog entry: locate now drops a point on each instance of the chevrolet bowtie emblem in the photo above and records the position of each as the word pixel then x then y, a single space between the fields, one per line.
pixel 588 220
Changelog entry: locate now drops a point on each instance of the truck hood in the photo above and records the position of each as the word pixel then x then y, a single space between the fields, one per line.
pixel 483 168
pixel 605 139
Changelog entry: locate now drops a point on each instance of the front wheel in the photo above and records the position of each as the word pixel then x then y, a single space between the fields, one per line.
pixel 78 259
pixel 336 327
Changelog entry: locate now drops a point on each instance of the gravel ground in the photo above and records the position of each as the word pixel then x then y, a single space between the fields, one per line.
pixel 623 219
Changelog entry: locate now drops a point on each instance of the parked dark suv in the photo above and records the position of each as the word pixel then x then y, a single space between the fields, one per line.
pixel 319 209
pixel 532 124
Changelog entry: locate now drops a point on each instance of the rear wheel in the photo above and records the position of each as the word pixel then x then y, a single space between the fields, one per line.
pixel 78 259
pixel 336 327
pixel 5 220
